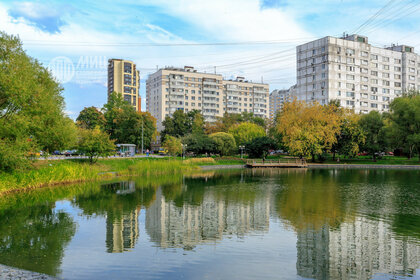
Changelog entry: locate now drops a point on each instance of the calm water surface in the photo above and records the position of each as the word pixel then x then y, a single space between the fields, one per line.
pixel 244 224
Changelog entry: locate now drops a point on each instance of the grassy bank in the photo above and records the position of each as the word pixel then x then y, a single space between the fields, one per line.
pixel 71 171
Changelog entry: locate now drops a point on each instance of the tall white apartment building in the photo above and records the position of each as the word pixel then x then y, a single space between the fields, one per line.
pixel 278 98
pixel 170 89
pixel 362 77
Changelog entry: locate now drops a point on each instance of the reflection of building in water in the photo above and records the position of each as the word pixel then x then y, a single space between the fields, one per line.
pixel 356 250
pixel 189 225
pixel 312 250
pixel 122 229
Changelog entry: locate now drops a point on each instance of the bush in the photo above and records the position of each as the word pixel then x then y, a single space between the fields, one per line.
pixel 225 143
pixel 13 155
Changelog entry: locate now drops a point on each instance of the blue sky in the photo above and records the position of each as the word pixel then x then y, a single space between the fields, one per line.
pixel 88 33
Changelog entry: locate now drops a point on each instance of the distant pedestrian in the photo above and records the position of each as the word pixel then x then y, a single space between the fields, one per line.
pixel 147 152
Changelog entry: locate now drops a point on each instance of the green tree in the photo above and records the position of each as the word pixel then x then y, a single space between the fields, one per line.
pixel 259 147
pixel 350 137
pixel 173 145
pixel 90 117
pixel 224 143
pixel 95 143
pixel 245 132
pixel 223 124
pixel 404 125
pixel 181 124
pixel 31 104
pixel 126 125
pixel 373 127
pixel 199 144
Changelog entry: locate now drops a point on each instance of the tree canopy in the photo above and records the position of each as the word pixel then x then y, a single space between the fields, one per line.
pixel 91 117
pixel 245 132
pixel 95 143
pixel 31 106
pixel 308 129
pixel 374 129
pixel 225 143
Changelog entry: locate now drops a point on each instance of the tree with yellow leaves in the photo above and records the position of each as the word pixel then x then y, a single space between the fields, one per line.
pixel 308 129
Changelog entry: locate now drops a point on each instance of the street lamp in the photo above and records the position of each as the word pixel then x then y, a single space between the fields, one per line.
pixel 184 148
pixel 242 150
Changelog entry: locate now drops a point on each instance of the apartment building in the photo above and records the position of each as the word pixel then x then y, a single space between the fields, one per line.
pixel 349 69
pixel 170 89
pixel 124 78
pixel 278 98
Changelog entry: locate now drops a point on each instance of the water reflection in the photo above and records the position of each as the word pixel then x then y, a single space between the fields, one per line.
pixel 35 237
pixel 349 224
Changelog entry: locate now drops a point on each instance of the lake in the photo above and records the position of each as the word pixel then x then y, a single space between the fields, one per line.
pixel 228 224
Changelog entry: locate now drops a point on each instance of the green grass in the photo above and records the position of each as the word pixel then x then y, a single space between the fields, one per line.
pixel 386 160
pixel 71 171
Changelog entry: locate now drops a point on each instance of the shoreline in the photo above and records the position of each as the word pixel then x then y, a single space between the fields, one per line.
pixel 9 272
pixel 321 165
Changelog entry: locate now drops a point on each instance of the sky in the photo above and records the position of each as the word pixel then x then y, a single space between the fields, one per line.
pixel 251 38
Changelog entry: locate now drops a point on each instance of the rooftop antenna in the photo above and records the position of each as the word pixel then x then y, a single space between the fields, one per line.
pixel 262 80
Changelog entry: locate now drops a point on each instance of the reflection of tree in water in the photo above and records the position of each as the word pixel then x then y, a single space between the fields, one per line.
pixel 310 200
pixel 34 238
pixel 120 202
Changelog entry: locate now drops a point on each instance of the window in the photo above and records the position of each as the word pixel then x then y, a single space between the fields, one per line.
pixel 375 65
pixel 397 68
pixel 385 75
pixel 397 76
pixel 373 97
pixel 350 102
pixel 386 67
pixel 386 90
pixel 350 94
pixel 374 73
pixel 364 54
pixel 349 51
pixel 385 59
pixel 374 105
pixel 397 84
pixel 364 62
pixel 385 83
pixel 323 66
pixel 350 68
pixel 385 98
pixel 397 61
pixel 350 77
pixel 374 57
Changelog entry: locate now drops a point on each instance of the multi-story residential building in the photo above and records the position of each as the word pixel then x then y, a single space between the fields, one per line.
pixel 170 89
pixel 349 69
pixel 278 98
pixel 124 78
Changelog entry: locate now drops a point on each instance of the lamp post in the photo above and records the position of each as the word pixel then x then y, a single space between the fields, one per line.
pixel 242 150
pixel 184 148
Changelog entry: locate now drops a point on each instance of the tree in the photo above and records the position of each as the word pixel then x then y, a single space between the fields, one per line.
pixel 173 145
pixel 404 125
pixel 126 125
pixel 223 124
pixel 224 143
pixel 135 128
pixel 373 127
pixel 351 135
pixel 259 147
pixel 308 129
pixel 199 144
pixel 95 143
pixel 90 117
pixel 31 104
pixel 245 132
pixel 181 124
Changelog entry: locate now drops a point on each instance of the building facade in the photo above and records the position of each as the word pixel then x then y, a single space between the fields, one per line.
pixel 278 98
pixel 171 89
pixel 124 78
pixel 349 69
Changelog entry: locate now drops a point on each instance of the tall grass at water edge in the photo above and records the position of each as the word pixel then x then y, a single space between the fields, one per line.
pixel 68 171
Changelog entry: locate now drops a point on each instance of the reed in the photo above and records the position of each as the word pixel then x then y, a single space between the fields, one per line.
pixel 68 171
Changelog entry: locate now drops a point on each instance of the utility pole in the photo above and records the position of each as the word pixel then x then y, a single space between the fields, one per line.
pixel 142 133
